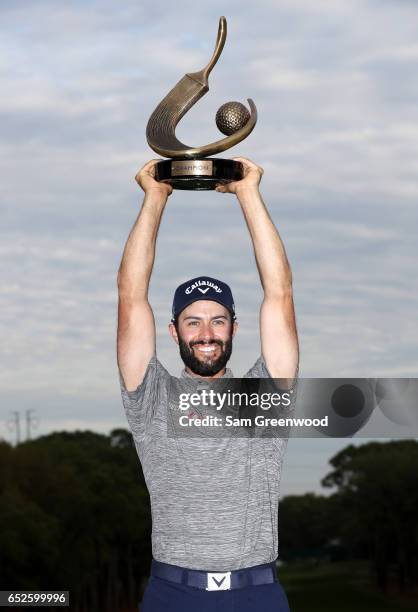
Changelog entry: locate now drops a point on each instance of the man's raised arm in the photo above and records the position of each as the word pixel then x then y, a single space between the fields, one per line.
pixel 279 341
pixel 136 327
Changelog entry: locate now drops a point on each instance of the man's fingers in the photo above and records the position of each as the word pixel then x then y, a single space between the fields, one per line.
pixel 220 188
pixel 249 164
pixel 149 168
pixel 151 164
pixel 245 161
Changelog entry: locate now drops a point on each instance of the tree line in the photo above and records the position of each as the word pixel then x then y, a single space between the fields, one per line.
pixel 75 515
pixel 371 514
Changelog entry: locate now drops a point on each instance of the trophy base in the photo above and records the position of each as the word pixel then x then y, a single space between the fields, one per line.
pixel 198 174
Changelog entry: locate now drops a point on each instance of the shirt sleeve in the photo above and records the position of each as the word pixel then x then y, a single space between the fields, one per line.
pixel 260 370
pixel 140 404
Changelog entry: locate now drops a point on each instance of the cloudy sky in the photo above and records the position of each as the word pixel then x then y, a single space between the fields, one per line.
pixel 335 84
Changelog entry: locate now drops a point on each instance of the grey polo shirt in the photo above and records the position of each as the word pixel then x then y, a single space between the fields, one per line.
pixel 214 502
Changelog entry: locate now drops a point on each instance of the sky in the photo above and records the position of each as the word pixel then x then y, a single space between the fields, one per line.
pixel 337 135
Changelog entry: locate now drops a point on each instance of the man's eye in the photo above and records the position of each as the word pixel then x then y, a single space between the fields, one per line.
pixel 219 322
pixel 193 323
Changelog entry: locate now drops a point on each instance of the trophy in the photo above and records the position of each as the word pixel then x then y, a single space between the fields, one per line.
pixel 190 167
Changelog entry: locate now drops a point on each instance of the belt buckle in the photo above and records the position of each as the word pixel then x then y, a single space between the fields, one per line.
pixel 218 581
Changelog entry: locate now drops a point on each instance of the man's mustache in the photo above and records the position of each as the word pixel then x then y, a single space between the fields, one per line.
pixel 206 342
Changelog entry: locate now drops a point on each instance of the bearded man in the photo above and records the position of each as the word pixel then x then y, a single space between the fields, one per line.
pixel 214 502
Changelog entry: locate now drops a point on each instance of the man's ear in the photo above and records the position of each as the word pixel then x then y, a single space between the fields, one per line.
pixel 173 332
pixel 234 328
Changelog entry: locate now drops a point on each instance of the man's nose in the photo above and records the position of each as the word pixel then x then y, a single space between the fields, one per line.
pixel 206 332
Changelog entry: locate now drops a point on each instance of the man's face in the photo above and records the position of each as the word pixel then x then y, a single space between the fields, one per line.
pixel 204 334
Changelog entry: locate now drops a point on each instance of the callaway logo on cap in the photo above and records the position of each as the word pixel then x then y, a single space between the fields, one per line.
pixel 202 288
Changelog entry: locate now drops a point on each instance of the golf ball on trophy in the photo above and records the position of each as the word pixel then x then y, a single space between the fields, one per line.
pixel 231 117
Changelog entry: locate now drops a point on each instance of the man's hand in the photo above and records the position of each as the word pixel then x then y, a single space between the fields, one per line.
pixel 251 179
pixel 145 179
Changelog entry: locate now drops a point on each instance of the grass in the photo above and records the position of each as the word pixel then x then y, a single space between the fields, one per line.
pixel 342 587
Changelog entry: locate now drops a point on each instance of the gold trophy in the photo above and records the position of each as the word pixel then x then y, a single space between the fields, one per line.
pixel 190 167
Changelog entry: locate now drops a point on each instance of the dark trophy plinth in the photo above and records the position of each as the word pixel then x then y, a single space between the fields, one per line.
pixel 198 174
pixel 192 167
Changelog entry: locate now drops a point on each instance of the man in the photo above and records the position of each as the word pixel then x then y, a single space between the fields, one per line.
pixel 214 501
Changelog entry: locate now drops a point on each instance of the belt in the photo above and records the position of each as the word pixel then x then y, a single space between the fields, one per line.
pixel 216 581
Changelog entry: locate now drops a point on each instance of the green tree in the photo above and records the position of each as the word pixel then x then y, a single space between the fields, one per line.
pixel 377 484
pixel 307 525
pixel 75 515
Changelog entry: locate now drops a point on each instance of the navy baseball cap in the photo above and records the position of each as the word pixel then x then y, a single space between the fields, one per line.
pixel 202 288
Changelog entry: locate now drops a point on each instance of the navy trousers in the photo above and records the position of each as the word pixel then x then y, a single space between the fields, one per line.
pixel 165 596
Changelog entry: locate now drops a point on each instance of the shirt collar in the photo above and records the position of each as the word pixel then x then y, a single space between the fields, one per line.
pixel 228 374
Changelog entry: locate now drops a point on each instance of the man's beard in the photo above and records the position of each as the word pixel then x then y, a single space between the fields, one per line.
pixel 205 368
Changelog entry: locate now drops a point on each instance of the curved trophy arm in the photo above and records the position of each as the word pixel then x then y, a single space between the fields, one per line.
pixel 219 45
pixel 162 124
